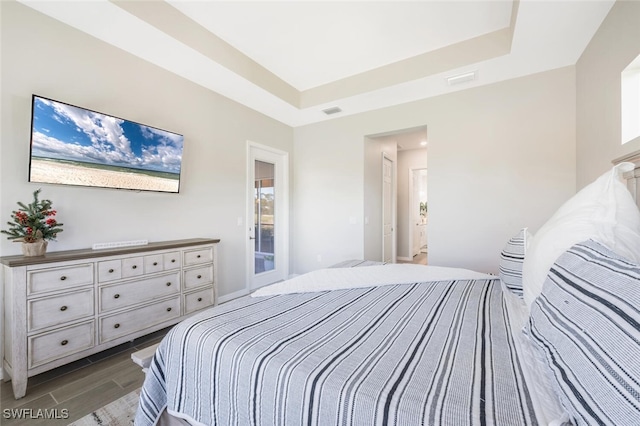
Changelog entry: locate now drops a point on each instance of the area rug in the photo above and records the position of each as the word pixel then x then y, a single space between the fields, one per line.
pixel 120 412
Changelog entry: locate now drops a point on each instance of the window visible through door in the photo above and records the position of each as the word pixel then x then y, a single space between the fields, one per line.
pixel 630 98
pixel 267 215
pixel 264 210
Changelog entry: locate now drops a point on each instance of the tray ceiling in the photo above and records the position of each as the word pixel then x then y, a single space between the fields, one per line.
pixel 292 59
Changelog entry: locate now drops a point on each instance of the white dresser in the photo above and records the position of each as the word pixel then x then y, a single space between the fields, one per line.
pixel 67 305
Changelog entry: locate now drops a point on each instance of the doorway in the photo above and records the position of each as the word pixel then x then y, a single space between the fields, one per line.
pixel 407 148
pixel 418 215
pixel 388 211
pixel 267 215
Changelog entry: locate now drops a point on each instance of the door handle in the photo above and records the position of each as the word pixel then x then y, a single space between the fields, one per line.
pixel 252 238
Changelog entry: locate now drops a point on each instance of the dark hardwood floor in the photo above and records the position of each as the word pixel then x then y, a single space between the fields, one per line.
pixel 78 388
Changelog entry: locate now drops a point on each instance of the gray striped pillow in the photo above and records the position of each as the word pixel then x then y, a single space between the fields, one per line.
pixel 511 260
pixel 586 325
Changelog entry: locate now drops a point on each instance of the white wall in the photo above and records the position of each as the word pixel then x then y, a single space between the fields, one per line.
pixel 488 147
pixel 598 91
pixel 500 157
pixel 42 56
pixel 328 178
pixel 407 160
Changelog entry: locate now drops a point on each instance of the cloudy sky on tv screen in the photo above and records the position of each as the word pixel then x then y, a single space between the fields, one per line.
pixel 65 132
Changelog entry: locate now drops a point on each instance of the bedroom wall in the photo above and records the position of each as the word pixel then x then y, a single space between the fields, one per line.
pixel 598 109
pixel 43 56
pixel 501 157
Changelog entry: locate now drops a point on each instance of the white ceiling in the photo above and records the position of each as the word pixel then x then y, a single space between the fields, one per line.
pixel 291 59
pixel 308 44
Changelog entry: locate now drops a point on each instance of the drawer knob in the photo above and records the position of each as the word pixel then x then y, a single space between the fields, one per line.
pixel 116 296
pixel 168 284
pixel 111 271
pixel 199 299
pixel 64 342
pixel 116 325
pixel 199 276
pixel 134 266
pixel 168 309
pixel 173 261
pixel 198 256
pixel 62 278
pixel 63 308
pixel 155 263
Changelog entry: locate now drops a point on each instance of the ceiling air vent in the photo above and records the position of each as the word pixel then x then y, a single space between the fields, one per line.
pixel 461 78
pixel 332 110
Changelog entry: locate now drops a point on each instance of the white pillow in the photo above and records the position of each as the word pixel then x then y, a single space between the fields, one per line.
pixel 511 260
pixel 603 211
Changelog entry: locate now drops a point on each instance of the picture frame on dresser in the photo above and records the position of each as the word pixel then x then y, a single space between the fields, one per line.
pixel 67 305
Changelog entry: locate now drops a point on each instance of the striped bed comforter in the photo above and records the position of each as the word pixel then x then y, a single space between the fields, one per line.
pixel 438 353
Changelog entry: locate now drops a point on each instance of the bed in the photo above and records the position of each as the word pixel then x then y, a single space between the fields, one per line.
pixel 369 344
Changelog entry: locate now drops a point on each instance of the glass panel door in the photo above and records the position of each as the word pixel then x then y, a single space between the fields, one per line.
pixel 264 216
pixel 267 215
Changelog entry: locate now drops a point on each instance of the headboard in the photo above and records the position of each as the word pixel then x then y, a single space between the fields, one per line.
pixel 632 177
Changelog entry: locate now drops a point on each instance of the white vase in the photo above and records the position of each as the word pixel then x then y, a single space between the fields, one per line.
pixel 37 248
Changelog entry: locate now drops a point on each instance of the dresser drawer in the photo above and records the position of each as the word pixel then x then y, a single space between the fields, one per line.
pixel 60 309
pixel 199 256
pixel 197 277
pixel 59 278
pixel 132 267
pixel 171 260
pixel 153 263
pixel 109 270
pixel 124 323
pixel 57 344
pixel 197 300
pixel 139 291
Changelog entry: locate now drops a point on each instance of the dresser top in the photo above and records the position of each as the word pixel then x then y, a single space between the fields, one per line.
pixel 63 256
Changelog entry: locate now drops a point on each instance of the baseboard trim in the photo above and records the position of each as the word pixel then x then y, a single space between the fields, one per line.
pixel 405 259
pixel 231 296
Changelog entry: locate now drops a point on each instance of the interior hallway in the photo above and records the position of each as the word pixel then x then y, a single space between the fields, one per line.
pixel 420 259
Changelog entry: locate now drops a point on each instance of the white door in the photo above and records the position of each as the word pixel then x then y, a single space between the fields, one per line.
pixel 388 235
pixel 415 212
pixel 267 215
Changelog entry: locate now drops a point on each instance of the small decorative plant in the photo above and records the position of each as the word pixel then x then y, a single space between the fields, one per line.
pixel 423 208
pixel 33 222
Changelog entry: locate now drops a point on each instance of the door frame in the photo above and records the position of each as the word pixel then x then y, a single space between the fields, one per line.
pixel 281 224
pixel 394 234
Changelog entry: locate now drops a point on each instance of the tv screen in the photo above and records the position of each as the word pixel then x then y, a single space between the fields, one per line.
pixel 76 146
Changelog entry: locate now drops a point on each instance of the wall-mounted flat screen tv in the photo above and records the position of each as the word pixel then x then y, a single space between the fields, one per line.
pixel 76 146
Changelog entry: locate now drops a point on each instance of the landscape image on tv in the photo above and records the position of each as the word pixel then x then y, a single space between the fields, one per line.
pixel 76 146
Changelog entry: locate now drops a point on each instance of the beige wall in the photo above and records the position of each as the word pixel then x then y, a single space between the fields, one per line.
pixel 42 56
pixel 501 157
pixel 489 146
pixel 598 119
